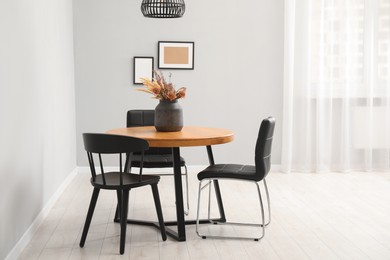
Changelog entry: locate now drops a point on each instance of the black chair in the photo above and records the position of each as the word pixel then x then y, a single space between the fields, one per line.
pixel 122 181
pixel 154 157
pixel 253 173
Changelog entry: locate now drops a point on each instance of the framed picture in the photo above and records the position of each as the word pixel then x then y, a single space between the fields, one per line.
pixel 143 68
pixel 176 55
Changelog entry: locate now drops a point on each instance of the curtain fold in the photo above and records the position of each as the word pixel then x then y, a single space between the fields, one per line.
pixel 336 85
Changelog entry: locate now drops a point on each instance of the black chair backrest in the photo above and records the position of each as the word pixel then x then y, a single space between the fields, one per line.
pixel 95 143
pixel 107 143
pixel 145 118
pixel 140 118
pixel 263 148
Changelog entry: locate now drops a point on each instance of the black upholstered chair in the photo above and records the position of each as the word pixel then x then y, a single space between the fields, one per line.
pixel 252 173
pixel 122 181
pixel 154 157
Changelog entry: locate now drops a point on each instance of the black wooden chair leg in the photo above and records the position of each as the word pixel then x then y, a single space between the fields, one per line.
pixel 159 211
pixel 91 209
pixel 116 217
pixel 118 210
pixel 123 219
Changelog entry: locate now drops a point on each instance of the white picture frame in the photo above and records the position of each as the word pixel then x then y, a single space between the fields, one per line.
pixel 142 68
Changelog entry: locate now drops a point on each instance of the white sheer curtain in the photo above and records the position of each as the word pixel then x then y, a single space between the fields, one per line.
pixel 336 85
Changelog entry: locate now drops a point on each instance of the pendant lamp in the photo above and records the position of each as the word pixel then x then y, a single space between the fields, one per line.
pixel 163 8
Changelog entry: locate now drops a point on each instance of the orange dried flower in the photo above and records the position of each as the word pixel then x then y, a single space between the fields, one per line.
pixel 181 92
pixel 160 89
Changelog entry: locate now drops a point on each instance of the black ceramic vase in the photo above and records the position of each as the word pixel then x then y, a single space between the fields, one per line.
pixel 168 116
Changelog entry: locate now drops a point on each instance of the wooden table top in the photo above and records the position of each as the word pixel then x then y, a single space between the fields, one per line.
pixel 188 136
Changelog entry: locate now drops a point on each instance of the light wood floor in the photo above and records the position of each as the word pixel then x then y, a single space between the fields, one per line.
pixel 314 216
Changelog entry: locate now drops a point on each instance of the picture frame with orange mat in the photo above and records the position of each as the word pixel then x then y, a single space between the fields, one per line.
pixel 176 55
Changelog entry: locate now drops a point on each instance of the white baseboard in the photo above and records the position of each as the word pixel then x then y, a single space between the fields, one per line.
pixel 27 236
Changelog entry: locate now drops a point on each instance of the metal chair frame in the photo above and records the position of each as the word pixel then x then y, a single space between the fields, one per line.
pixel 262 225
pixel 187 210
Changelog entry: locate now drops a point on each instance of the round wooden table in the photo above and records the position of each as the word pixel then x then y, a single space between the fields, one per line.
pixel 188 136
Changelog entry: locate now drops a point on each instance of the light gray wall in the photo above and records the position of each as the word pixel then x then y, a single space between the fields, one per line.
pixel 37 110
pixel 237 79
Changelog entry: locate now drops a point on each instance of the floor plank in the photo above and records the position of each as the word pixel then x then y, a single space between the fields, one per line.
pixel 313 216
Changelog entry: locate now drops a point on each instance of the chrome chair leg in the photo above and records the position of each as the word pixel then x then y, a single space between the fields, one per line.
pixel 268 202
pixel 262 225
pixel 187 211
pixel 262 213
pixel 197 210
pixel 209 206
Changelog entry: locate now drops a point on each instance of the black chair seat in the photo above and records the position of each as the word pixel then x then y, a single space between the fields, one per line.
pixel 130 180
pixel 230 171
pixel 155 161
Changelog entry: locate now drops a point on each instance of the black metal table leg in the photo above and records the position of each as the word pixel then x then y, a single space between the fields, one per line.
pixel 180 222
pixel 181 231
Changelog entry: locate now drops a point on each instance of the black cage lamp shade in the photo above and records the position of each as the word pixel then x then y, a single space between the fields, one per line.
pixel 163 8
